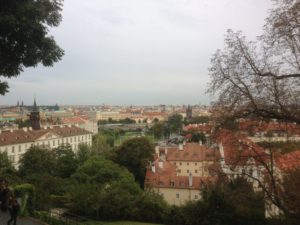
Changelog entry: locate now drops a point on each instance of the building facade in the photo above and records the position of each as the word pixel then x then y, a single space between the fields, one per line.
pixel 179 173
pixel 16 142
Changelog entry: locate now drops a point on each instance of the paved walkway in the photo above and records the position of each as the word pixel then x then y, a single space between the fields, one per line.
pixel 4 217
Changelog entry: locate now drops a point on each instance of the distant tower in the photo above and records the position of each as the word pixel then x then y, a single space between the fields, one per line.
pixel 35 117
pixel 189 112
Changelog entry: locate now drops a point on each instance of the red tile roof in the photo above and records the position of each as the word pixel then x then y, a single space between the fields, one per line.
pixel 288 162
pixel 238 149
pixel 203 127
pixel 166 178
pixel 21 136
pixel 262 126
pixel 193 152
pixel 73 120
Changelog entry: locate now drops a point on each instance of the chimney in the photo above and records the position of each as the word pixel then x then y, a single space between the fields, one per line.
pixel 30 128
pixel 157 150
pixel 69 125
pixel 45 127
pixel 11 130
pixel 25 129
pixel 180 147
pixel 153 168
pixel 160 164
pixel 190 180
pixel 184 142
pixel 200 142
pixel 61 126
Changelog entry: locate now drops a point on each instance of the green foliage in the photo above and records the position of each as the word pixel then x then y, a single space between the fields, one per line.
pixel 151 207
pixel 174 123
pixel 27 194
pixel 197 120
pixel 45 186
pixel 23 123
pixel 7 171
pixel 100 145
pixel 83 154
pixel 291 194
pixel 158 130
pixel 231 204
pixel 135 154
pixel 37 160
pixel 66 162
pixel 24 38
pixel 196 137
pixel 121 121
pixel 103 190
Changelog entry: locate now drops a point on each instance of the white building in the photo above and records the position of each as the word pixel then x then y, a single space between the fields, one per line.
pixel 17 142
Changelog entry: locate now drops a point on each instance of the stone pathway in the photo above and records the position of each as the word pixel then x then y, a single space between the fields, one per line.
pixel 4 217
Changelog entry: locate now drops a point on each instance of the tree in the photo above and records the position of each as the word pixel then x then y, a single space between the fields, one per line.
pixel 262 78
pixel 66 162
pixel 7 171
pixel 37 161
pixel 24 36
pixel 175 123
pixel 104 190
pixel 158 130
pixel 291 193
pixel 196 137
pixel 135 154
pixel 83 154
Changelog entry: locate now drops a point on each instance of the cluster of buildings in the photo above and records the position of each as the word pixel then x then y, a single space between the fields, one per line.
pixel 180 172
pixel 15 142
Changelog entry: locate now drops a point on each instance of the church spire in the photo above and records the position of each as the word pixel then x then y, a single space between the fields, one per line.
pixel 35 108
pixel 34 117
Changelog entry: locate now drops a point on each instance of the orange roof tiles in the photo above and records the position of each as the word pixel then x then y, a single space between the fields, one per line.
pixel 238 149
pixel 288 162
pixel 193 152
pixel 21 136
pixel 165 177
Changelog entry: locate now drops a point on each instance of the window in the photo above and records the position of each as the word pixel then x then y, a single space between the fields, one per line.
pixel 180 163
pixel 188 171
pixel 195 164
pixel 13 149
pixel 20 148
pixel 177 195
pixel 196 171
pixel 174 163
pixel 187 163
pixel 196 196
pixel 178 171
pixel 53 143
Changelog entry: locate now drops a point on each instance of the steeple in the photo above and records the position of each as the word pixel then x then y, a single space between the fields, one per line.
pixel 35 117
pixel 35 108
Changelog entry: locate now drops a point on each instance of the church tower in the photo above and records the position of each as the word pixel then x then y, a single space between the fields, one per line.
pixel 189 112
pixel 35 117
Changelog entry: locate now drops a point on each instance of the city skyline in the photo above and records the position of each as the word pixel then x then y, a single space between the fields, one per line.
pixel 136 53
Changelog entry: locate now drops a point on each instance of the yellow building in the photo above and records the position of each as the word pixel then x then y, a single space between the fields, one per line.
pixel 180 172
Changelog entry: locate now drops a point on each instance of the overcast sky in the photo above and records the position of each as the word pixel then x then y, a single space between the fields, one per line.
pixel 139 52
